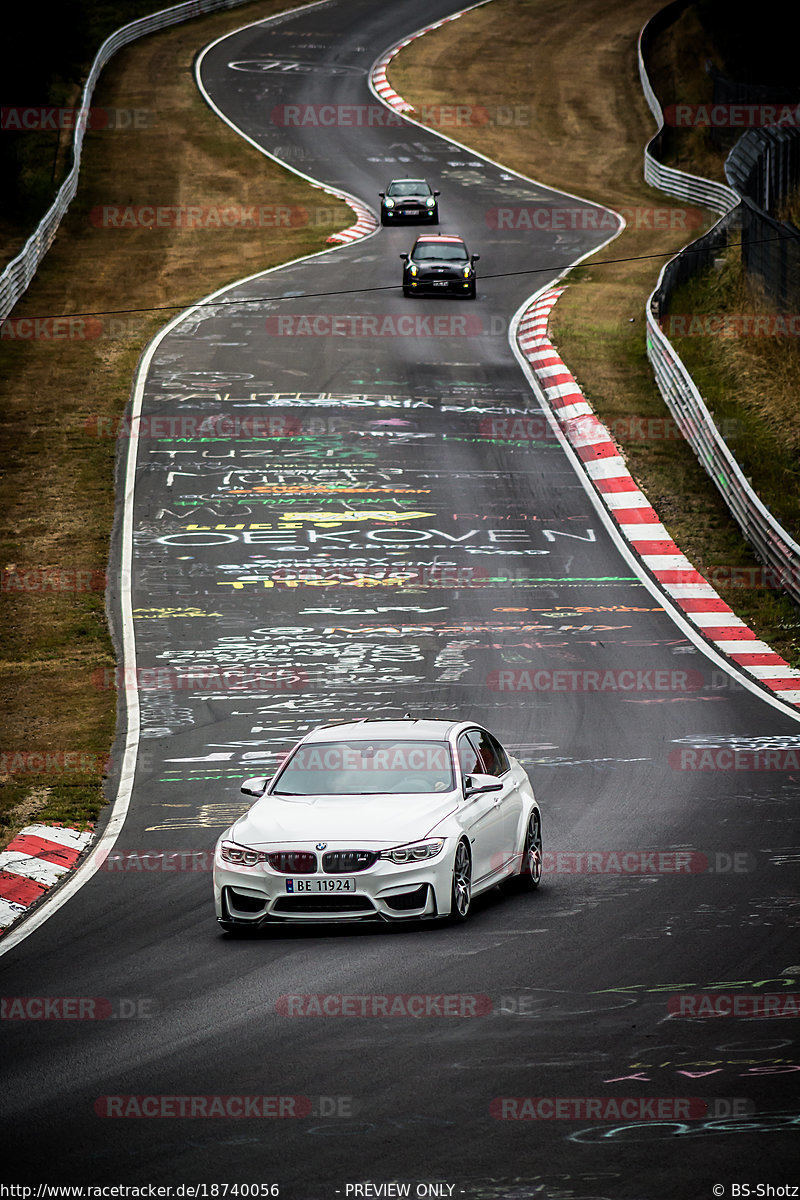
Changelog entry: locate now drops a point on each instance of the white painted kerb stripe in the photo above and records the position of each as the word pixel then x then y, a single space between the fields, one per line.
pixel 38 869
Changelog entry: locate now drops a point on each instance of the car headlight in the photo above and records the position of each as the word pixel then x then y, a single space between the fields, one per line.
pixel 412 269
pixel 388 202
pixel 240 856
pixel 430 201
pixel 414 851
pixel 467 272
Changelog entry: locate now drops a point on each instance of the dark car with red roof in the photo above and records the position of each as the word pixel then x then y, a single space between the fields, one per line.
pixel 439 263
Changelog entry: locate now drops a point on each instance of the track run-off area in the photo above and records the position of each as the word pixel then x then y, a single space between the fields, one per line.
pixel 335 502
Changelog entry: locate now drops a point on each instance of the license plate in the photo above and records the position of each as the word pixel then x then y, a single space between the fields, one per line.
pixel 441 283
pixel 408 212
pixel 315 886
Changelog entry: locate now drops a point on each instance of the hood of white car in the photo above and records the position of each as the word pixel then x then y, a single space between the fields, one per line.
pixel 360 821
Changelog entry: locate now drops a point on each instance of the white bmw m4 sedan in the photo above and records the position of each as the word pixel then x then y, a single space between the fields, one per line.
pixel 379 820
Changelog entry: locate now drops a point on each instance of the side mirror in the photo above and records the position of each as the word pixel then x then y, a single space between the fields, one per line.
pixel 404 256
pixel 437 193
pixel 474 257
pixel 255 786
pixel 382 195
pixel 476 785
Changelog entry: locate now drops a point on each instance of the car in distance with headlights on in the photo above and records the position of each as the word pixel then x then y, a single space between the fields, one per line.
pixel 439 263
pixel 379 820
pixel 408 200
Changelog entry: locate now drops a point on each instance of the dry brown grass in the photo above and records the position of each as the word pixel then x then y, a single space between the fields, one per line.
pixel 789 210
pixel 570 68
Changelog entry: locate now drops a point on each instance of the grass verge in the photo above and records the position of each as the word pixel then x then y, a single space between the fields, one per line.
pixel 581 125
pixel 57 379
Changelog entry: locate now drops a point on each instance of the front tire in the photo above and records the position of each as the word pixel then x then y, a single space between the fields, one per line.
pixel 461 888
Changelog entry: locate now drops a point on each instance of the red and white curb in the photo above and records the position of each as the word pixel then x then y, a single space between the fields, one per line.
pixel 636 519
pixel 382 85
pixel 377 75
pixel 365 222
pixel 37 858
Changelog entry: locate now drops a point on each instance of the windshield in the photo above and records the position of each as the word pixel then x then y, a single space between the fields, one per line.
pixel 440 252
pixel 409 187
pixel 366 769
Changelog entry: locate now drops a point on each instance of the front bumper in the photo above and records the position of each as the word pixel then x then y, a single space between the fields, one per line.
pixel 252 896
pixel 432 285
pixel 412 213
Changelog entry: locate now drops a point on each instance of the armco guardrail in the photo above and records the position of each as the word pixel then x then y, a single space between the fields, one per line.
pixel 764 167
pixel 773 545
pixel 716 196
pixel 20 271
pixel 771 542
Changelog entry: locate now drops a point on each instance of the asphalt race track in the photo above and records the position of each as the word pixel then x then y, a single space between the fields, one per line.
pixel 332 501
